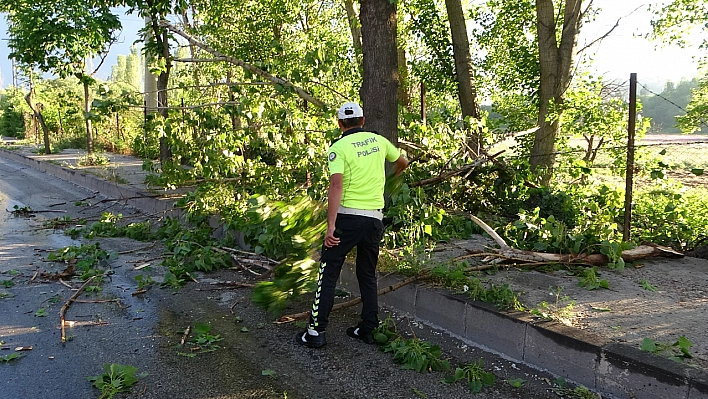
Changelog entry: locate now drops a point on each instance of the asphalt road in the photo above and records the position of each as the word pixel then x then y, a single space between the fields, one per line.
pixel 255 359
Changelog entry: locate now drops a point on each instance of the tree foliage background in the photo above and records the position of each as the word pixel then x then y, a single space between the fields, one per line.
pixel 252 150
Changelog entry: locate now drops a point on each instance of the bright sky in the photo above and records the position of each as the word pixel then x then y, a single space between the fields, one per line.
pixel 624 52
pixel 618 55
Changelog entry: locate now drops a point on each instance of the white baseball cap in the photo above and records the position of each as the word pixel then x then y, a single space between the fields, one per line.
pixel 350 110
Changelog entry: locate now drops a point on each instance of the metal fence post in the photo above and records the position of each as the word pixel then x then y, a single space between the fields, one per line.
pixel 629 177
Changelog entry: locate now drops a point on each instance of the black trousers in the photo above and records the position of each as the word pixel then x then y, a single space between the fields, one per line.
pixel 365 234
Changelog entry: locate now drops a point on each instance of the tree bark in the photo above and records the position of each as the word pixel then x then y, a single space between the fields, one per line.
pixel 353 25
pixel 38 115
pixel 162 82
pixel 466 89
pixel 556 63
pixel 89 126
pixel 404 82
pixel 379 90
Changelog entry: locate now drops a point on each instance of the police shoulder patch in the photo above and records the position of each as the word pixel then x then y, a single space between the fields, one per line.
pixel 332 156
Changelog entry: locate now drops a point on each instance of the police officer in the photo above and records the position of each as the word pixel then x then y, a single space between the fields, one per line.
pixel 355 203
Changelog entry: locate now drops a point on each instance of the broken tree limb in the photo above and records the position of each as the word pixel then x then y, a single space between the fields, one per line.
pixel 62 312
pixel 643 251
pixel 444 176
pixel 299 316
pixel 251 68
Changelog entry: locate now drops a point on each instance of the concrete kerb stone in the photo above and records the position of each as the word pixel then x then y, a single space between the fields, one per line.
pixel 698 384
pixel 628 372
pixel 442 310
pixel 570 353
pixel 611 368
pixel 500 332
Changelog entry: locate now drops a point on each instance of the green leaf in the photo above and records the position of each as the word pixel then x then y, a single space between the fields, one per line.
pixel 268 372
pixel 244 329
pixel 648 345
pixel 697 171
pixel 516 382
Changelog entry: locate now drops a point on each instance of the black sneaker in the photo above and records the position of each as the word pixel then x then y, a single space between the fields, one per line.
pixel 358 333
pixel 307 338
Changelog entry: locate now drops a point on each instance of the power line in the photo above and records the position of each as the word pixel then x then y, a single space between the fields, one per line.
pixel 703 122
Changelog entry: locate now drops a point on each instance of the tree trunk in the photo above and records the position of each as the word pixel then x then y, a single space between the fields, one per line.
pixel 556 63
pixel 379 90
pixel 353 25
pixel 466 89
pixel 38 116
pixel 162 81
pixel 404 83
pixel 87 109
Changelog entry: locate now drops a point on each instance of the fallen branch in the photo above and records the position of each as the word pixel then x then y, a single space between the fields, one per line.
pixel 505 251
pixel 251 68
pixel 64 308
pixel 302 315
pixel 447 175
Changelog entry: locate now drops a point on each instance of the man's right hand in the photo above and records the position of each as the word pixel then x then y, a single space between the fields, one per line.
pixel 330 239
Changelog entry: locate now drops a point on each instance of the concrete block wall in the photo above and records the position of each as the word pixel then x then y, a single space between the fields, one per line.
pixel 616 370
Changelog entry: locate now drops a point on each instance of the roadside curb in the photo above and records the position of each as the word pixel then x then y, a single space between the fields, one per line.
pixel 614 369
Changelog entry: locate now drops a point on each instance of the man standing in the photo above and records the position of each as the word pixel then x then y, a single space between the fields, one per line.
pixel 354 219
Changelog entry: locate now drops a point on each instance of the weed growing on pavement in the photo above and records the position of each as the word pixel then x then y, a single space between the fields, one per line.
pixel 590 279
pixel 676 351
pixel 648 286
pixel 474 375
pixel 415 354
pixel 4 295
pixel 563 390
pixel 92 160
pixel 144 281
pixel 7 283
pixel 557 310
pixel 516 382
pixel 203 341
pixel 501 296
pixel 41 312
pixel 115 378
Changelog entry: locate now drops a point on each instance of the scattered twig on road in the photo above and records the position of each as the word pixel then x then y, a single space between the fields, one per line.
pixel 138 292
pixel 137 249
pixel 233 284
pixel 185 335
pixel 57 204
pixel 66 284
pixel 190 276
pixel 64 308
pixel 36 273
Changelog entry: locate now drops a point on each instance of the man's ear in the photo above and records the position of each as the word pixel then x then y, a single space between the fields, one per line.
pixel 339 122
pixel 363 121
